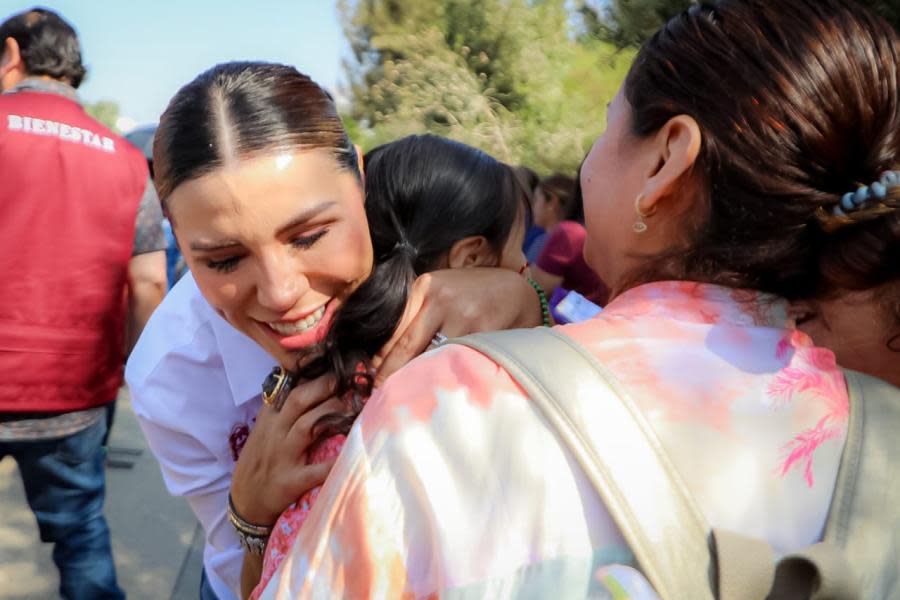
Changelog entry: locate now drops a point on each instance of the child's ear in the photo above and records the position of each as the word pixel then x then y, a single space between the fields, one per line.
pixel 473 251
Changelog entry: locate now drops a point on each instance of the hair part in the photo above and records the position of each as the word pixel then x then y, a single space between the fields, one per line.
pixel 241 110
pixel 47 43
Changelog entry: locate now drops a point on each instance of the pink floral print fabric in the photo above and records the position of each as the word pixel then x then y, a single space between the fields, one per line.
pixel 452 485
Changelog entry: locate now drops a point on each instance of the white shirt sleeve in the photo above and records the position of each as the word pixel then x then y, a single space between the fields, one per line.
pixel 192 471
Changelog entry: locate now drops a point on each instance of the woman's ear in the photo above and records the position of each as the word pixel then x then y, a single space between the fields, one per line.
pixel 473 251
pixel 676 147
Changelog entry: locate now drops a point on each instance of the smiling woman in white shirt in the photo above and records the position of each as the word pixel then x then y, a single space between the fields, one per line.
pixel 264 191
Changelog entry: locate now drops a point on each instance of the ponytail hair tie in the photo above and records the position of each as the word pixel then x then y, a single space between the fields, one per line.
pixel 403 246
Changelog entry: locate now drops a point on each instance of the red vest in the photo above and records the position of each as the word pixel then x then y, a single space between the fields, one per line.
pixel 69 194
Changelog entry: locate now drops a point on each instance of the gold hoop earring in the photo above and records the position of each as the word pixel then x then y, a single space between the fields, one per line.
pixel 640 226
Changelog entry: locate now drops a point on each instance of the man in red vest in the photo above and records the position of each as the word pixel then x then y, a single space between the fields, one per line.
pixel 82 261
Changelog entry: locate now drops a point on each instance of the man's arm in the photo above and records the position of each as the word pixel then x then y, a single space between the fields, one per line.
pixel 146 288
pixel 147 269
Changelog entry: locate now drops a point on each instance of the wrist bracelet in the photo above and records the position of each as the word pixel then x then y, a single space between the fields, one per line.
pixel 545 306
pixel 253 538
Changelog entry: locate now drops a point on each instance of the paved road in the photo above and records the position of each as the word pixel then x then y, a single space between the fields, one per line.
pixel 157 543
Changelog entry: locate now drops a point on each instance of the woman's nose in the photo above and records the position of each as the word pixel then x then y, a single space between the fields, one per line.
pixel 280 285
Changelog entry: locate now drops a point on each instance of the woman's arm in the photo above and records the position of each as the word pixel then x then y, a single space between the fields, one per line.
pixel 272 472
pixel 458 302
pixel 251 571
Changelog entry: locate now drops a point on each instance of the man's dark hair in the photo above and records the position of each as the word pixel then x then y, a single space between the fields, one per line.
pixel 48 45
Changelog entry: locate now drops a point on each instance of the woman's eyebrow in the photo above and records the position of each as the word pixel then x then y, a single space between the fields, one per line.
pixel 217 245
pixel 306 215
pixel 299 219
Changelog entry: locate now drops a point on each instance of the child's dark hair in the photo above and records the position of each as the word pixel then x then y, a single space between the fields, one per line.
pixel 423 194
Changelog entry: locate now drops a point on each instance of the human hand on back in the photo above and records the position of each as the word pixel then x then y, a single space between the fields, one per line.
pixel 457 302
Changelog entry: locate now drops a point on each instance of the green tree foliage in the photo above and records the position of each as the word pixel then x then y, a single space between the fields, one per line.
pixel 509 76
pixel 105 111
pixel 628 23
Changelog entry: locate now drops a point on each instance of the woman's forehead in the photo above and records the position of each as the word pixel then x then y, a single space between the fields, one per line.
pixel 268 178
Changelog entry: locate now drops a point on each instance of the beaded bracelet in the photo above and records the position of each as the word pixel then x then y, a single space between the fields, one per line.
pixel 545 306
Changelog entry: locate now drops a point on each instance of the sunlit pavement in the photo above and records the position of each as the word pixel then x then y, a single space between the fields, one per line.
pixel 157 544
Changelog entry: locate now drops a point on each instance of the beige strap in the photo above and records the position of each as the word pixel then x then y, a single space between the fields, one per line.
pixel 746 571
pixel 746 566
pixel 819 572
pixel 618 451
pixel 864 519
pixel 643 492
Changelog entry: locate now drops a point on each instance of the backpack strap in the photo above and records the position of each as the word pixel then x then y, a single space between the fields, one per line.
pixel 617 450
pixel 864 518
pixel 622 457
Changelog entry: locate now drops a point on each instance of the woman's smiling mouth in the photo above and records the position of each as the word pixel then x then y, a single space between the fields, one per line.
pixel 302 333
pixel 299 326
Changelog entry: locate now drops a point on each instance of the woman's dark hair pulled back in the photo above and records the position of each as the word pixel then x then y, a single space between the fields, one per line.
pixel 239 110
pixel 798 104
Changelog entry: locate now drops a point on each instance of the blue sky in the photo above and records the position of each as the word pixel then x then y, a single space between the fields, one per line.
pixel 139 52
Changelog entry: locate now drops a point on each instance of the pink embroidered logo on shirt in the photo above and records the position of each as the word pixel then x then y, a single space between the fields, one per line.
pixel 238 437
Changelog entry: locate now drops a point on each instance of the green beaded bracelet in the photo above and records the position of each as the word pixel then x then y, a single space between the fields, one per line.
pixel 545 306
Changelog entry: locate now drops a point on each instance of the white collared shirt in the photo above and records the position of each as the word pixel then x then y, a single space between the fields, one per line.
pixel 195 387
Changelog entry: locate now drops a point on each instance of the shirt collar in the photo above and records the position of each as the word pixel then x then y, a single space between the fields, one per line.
pixel 46 86
pixel 702 303
pixel 246 364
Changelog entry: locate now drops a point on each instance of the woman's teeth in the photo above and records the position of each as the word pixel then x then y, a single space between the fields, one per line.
pixel 298 326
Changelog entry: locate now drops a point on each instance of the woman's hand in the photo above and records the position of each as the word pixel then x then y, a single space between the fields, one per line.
pixel 458 302
pixel 271 472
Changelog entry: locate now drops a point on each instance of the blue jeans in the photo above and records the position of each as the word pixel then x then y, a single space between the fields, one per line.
pixel 65 483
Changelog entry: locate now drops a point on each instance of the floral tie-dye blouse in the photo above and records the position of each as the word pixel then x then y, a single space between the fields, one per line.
pixel 452 485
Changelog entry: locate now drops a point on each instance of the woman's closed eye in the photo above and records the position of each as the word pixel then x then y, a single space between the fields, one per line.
pixel 307 241
pixel 229 263
pixel 225 265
